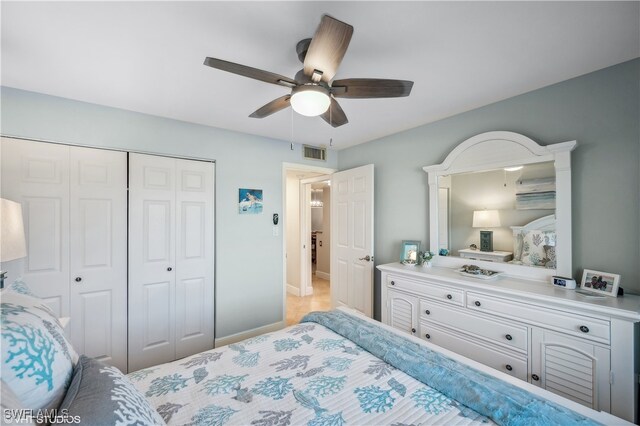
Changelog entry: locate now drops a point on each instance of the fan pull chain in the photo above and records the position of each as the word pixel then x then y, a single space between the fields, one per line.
pixel 291 129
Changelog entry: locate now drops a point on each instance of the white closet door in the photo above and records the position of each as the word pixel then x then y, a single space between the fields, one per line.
pixel 37 175
pixel 194 257
pixel 152 194
pixel 98 261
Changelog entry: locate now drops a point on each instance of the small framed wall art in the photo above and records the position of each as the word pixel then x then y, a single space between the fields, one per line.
pixel 249 201
pixel 603 283
pixel 409 252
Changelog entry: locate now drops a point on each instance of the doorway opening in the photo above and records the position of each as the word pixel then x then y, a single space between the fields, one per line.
pixel 307 241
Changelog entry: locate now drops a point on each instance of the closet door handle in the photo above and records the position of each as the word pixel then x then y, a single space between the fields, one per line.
pixel 169 269
pixel 78 279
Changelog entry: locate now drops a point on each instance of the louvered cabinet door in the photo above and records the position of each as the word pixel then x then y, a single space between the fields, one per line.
pixel 403 311
pixel 571 367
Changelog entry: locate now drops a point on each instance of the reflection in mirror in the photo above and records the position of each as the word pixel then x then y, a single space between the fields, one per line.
pixel 519 195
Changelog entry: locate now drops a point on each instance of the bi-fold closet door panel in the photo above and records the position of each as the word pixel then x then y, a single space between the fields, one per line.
pixel 74 204
pixel 98 261
pixel 170 259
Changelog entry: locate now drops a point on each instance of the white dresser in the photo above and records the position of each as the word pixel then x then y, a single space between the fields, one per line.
pixel 582 348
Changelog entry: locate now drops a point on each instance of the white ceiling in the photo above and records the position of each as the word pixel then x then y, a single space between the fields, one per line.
pixel 147 56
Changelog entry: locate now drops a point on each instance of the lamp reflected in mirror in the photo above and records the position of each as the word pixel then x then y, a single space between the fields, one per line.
pixel 486 219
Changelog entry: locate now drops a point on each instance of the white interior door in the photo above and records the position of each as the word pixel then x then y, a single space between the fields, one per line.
pixel 152 235
pixel 194 257
pixel 352 239
pixel 37 176
pixel 98 260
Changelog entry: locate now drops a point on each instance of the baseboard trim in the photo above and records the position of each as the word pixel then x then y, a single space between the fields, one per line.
pixel 234 338
pixel 309 291
pixel 323 275
pixel 293 290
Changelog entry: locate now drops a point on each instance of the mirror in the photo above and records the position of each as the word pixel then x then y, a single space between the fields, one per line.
pixel 503 202
pixel 492 202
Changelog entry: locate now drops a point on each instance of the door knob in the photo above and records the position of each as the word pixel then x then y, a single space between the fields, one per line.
pixel 367 258
pixel 78 279
pixel 169 269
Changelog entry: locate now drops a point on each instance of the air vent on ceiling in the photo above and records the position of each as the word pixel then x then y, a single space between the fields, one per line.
pixel 315 153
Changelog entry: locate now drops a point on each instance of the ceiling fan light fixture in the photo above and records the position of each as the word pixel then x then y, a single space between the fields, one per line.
pixel 310 100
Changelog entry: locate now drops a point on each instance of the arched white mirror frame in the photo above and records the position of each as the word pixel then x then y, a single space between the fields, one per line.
pixel 496 150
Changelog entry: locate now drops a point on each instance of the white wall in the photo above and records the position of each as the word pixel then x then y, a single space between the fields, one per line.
pixel 249 259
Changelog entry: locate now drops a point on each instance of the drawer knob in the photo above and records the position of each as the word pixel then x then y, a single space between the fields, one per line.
pixel 393 283
pixel 584 328
pixel 413 330
pixel 449 296
pixel 477 303
pixel 508 367
pixel 169 269
pixel 428 312
pixel 508 337
pixel 428 336
pixel 535 377
pixel 78 279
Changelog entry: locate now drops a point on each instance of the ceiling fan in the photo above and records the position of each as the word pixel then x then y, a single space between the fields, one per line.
pixel 313 92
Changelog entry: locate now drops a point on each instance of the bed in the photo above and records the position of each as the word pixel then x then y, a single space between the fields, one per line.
pixel 333 368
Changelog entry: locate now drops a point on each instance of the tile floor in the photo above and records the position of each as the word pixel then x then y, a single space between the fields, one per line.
pixel 297 307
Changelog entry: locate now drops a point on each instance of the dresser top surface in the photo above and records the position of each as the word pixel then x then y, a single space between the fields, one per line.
pixel 626 307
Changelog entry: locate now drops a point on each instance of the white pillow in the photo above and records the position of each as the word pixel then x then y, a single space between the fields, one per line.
pixel 37 360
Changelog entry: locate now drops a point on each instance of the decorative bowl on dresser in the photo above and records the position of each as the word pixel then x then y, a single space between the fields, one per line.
pixel 577 347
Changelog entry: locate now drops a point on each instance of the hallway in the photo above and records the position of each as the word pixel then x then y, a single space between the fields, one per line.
pixel 297 307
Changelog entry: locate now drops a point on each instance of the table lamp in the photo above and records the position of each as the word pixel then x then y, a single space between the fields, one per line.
pixel 486 219
pixel 12 241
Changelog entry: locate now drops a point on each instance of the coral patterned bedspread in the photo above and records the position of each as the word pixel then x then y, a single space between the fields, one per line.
pixel 303 375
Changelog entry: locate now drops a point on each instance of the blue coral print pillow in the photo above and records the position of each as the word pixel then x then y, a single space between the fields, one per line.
pixel 37 360
pixel 19 286
pixel 101 395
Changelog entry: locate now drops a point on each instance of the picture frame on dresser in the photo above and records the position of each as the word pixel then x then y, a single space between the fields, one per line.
pixel 409 251
pixel 603 283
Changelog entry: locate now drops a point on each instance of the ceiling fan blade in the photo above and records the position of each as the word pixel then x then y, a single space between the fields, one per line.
pixel 327 48
pixel 246 71
pixel 371 88
pixel 335 116
pixel 272 107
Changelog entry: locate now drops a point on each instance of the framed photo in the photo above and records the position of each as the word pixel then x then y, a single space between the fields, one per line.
pixel 600 282
pixel 249 201
pixel 410 251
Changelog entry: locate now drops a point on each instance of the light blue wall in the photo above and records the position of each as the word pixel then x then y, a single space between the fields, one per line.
pixel 249 282
pixel 600 110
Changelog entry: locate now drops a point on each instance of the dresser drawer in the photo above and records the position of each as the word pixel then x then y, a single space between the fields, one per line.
pixel 504 333
pixel 425 289
pixel 511 364
pixel 586 327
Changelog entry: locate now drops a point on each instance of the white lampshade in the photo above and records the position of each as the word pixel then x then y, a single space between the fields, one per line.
pixel 310 100
pixel 486 219
pixel 12 242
